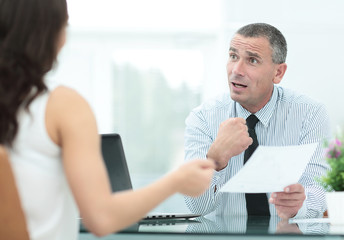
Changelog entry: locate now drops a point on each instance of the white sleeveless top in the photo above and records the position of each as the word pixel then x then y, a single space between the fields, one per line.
pixel 48 204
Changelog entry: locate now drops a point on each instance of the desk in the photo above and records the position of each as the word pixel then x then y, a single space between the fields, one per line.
pixel 225 227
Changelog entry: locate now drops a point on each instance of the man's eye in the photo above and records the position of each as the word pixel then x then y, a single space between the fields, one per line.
pixel 253 61
pixel 233 56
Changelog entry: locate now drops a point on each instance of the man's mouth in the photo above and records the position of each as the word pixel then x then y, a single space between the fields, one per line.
pixel 237 85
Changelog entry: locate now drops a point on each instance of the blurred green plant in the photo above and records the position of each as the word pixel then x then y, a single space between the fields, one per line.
pixel 334 179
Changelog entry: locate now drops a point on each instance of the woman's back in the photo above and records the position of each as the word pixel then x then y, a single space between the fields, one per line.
pixel 48 204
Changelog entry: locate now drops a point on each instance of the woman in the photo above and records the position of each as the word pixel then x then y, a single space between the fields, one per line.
pixel 52 138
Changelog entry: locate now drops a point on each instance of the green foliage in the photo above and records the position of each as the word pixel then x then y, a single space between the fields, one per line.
pixel 334 179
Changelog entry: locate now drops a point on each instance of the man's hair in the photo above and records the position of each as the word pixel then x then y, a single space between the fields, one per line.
pixel 273 35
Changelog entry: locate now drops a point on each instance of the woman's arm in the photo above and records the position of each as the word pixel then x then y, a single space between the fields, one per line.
pixel 72 125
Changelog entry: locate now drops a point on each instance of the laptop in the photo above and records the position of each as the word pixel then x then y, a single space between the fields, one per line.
pixel 118 172
pixel 117 168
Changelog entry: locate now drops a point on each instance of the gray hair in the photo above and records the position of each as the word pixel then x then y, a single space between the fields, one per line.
pixel 274 36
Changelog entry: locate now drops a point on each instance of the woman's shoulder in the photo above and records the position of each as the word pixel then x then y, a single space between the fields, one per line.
pixel 65 102
pixel 67 98
pixel 67 111
pixel 64 91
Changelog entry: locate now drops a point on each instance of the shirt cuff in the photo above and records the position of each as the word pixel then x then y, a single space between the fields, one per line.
pixel 219 175
pixel 302 213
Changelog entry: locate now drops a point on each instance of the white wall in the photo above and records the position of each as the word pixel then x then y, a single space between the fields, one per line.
pixel 314 30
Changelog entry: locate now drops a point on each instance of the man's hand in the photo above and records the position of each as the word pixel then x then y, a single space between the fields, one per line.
pixel 285 227
pixel 232 139
pixel 289 202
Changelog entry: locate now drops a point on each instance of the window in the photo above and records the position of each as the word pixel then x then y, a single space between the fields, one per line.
pixel 142 71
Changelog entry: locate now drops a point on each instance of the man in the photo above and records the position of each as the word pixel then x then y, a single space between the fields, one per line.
pixel 257 56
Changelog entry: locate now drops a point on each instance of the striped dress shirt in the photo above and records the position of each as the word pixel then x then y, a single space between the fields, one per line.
pixel 287 119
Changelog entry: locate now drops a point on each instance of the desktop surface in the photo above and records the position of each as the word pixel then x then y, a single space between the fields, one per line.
pixel 227 227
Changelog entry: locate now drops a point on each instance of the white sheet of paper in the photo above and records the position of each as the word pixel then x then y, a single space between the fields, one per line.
pixel 309 220
pixel 271 169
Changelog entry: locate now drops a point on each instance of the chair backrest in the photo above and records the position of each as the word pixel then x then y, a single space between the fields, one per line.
pixel 12 219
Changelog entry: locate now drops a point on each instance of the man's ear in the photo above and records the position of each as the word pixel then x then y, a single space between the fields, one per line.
pixel 280 71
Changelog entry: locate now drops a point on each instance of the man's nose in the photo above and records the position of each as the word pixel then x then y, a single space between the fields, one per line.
pixel 239 68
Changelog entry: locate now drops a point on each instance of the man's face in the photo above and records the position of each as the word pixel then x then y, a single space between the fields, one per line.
pixel 251 72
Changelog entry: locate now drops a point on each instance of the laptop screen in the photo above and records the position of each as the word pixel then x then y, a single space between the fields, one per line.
pixel 116 165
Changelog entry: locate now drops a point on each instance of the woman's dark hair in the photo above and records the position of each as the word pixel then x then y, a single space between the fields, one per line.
pixel 29 38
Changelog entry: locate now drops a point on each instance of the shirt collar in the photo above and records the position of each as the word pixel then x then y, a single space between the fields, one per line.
pixel 263 114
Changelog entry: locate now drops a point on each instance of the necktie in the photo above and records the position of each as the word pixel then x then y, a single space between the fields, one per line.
pixel 256 203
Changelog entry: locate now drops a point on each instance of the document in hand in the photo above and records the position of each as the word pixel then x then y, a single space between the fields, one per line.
pixel 271 169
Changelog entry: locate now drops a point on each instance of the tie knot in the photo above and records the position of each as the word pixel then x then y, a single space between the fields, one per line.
pixel 251 121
